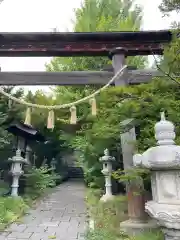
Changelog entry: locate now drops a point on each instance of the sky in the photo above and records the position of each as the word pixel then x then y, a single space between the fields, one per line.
pixel 44 15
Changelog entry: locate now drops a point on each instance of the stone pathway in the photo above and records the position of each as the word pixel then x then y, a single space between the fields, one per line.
pixel 62 216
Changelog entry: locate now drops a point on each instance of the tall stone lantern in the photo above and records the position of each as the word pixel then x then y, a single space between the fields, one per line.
pixel 107 171
pixel 16 171
pixel 164 163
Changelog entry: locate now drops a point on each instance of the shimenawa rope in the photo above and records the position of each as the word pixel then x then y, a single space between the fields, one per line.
pixel 67 105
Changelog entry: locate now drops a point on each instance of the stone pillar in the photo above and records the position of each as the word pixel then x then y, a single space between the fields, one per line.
pixel 16 171
pixel 34 159
pixel 118 56
pixel 164 162
pixel 28 154
pixel 107 172
pixel 53 165
pixel 138 220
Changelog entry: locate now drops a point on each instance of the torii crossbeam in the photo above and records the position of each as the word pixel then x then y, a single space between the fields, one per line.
pixel 82 44
pixel 116 45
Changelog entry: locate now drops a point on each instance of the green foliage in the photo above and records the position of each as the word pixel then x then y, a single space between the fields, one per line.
pixel 133 175
pixel 105 234
pixel 7 115
pixel 170 5
pixel 38 180
pixel 104 15
pixel 11 209
pixel 143 103
pixel 92 16
pixel 107 217
pixel 171 61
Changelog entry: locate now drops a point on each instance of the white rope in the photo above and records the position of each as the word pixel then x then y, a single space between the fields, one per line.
pixel 67 105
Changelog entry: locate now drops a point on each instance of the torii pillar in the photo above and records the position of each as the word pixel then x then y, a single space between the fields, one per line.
pixel 118 57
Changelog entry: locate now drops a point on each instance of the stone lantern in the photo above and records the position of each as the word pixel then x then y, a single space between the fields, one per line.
pixel 164 163
pixel 25 135
pixel 16 171
pixel 107 171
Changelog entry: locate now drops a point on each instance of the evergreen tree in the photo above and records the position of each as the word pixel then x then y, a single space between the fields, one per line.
pixel 92 16
pixel 171 60
pixel 101 15
pixel 168 6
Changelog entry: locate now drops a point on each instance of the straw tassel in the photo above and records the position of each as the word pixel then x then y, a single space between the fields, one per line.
pixel 28 116
pixel 73 119
pixel 93 106
pixel 50 120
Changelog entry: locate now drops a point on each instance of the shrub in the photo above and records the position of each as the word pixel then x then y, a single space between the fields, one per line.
pixel 38 180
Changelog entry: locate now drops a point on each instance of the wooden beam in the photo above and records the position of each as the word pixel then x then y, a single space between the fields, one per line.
pixel 82 44
pixel 73 78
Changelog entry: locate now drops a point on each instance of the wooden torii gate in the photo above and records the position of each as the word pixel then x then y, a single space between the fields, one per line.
pixel 117 46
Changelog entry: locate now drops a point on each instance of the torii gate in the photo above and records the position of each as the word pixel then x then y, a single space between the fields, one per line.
pixel 116 45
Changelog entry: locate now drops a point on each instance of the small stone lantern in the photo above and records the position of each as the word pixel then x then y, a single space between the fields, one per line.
pixel 107 171
pixel 164 163
pixel 16 171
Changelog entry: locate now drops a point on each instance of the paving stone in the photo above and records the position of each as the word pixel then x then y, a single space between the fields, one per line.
pixel 36 229
pixel 17 227
pixel 50 224
pixel 61 214
pixel 20 235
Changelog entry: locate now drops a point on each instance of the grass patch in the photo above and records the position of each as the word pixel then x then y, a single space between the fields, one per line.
pixel 11 209
pixel 106 215
pixel 107 218
pixel 105 234
pixel 39 183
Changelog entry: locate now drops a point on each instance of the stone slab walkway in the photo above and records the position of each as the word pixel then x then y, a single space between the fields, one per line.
pixel 61 215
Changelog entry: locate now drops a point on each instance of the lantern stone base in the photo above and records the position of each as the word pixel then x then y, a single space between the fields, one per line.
pixel 106 198
pixel 167 216
pixel 171 234
pixel 135 227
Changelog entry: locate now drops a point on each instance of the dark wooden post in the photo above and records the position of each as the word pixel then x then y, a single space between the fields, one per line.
pixel 118 57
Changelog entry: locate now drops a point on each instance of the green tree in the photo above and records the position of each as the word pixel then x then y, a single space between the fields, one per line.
pixel 92 16
pixel 9 113
pixel 54 146
pixel 97 15
pixel 101 15
pixel 168 6
pixel 171 60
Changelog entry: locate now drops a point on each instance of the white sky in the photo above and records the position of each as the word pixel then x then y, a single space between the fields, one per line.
pixel 44 15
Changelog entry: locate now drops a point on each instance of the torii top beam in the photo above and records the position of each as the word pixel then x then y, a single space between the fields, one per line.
pixel 82 44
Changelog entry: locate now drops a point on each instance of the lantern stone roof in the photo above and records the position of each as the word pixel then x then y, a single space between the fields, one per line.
pixel 25 131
